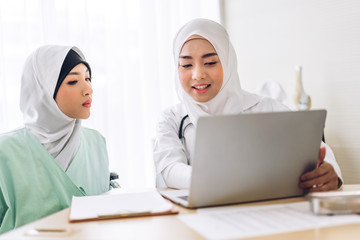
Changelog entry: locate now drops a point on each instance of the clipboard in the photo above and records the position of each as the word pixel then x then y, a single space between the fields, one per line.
pixel 125 205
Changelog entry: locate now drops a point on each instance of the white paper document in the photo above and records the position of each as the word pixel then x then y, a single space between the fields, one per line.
pixel 142 203
pixel 241 222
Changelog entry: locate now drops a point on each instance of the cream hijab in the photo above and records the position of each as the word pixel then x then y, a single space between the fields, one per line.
pixel 231 99
pixel 58 133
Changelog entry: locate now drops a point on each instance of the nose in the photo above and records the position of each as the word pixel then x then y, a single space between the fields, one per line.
pixel 87 90
pixel 199 73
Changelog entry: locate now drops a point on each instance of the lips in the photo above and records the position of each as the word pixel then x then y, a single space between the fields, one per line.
pixel 201 88
pixel 87 103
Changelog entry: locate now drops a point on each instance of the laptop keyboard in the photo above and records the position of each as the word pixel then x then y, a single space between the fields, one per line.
pixel 184 197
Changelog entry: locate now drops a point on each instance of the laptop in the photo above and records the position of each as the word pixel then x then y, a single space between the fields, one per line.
pixel 251 157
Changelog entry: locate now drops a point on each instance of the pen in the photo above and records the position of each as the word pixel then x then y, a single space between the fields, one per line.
pixel 50 229
pixel 124 214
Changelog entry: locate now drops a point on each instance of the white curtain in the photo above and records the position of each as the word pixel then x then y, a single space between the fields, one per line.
pixel 128 44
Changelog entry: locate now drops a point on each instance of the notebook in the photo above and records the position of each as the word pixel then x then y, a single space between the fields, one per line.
pixel 251 157
pixel 124 205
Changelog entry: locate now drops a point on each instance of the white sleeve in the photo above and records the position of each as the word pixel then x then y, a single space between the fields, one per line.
pixel 177 175
pixel 169 153
pixel 330 158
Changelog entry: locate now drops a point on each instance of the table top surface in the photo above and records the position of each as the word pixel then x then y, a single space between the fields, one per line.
pixel 163 227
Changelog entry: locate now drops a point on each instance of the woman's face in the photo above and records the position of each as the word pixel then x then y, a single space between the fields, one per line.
pixel 200 69
pixel 75 92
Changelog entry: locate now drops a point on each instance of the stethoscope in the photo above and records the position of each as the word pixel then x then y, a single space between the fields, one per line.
pixel 181 132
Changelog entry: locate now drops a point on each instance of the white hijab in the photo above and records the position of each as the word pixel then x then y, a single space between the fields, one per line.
pixel 58 133
pixel 231 99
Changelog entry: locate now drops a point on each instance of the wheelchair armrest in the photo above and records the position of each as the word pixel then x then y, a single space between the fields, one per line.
pixel 113 177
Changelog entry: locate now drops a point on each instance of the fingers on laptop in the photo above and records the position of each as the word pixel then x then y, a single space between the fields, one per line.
pixel 321 179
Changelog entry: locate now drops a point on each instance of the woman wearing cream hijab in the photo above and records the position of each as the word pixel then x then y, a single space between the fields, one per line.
pixel 53 157
pixel 207 83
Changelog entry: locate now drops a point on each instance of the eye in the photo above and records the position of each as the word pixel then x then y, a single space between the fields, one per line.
pixel 72 82
pixel 186 65
pixel 88 79
pixel 211 63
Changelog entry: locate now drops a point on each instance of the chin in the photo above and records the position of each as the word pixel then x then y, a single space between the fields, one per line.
pixel 83 116
pixel 202 100
pixel 86 117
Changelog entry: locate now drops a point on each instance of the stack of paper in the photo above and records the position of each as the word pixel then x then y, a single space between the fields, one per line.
pixel 121 205
pixel 252 221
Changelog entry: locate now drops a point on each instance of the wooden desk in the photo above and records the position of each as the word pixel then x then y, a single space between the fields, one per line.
pixel 168 227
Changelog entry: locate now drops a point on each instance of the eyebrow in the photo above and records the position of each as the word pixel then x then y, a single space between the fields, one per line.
pixel 77 73
pixel 203 56
pixel 73 73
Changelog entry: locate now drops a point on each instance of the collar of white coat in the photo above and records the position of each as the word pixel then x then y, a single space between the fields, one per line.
pixel 231 99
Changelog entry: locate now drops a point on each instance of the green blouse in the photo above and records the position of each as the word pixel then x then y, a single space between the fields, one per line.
pixel 32 184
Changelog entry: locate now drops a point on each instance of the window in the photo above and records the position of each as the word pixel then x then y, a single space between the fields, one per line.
pixel 128 44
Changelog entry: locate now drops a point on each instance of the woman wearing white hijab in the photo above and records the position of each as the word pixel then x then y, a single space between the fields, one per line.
pixel 53 157
pixel 207 83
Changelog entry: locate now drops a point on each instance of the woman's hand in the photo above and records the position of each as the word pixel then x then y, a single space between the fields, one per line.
pixel 322 178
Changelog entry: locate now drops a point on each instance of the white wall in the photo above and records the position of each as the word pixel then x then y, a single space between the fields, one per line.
pixel 272 36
